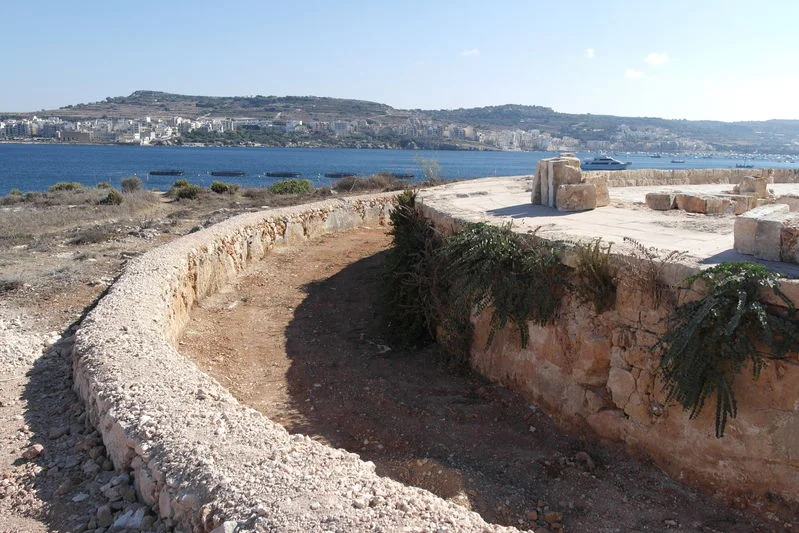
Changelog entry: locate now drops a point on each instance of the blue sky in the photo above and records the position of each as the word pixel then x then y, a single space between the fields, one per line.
pixel 719 60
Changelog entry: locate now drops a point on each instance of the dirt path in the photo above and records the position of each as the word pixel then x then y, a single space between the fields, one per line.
pixel 299 338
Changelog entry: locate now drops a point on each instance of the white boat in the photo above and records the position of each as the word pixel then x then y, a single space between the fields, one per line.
pixel 604 163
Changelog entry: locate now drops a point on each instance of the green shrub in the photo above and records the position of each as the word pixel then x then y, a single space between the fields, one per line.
pixel 131 184
pixel 15 192
pixel 712 339
pixel 114 198
pixel 63 186
pixel 220 187
pixel 189 192
pixel 103 185
pixel 493 266
pixel 412 309
pixel 380 181
pixel 291 186
pixel 183 182
pixel 596 283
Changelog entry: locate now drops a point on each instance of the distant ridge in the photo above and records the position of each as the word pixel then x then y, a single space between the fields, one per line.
pixel 775 136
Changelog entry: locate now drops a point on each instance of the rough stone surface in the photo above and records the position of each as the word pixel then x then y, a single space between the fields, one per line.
pixel 758 231
pixel 791 201
pixel 198 456
pixel 789 241
pixel 756 186
pixel 691 203
pixel 616 391
pixel 661 201
pixel 578 197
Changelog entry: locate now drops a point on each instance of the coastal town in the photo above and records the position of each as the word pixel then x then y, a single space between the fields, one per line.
pixel 413 132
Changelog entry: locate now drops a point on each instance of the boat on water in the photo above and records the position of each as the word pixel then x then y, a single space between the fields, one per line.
pixel 228 173
pixel 282 174
pixel 339 174
pixel 744 165
pixel 678 161
pixel 166 172
pixel 655 156
pixel 604 163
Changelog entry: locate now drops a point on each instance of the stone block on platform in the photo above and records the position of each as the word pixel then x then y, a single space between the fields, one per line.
pixel 789 241
pixel 661 201
pixel 691 203
pixel 747 230
pixel 576 197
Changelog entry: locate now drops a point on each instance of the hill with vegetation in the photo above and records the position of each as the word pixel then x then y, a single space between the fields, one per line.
pixel 774 136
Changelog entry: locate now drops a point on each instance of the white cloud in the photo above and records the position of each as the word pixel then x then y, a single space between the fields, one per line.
pixel 589 53
pixel 656 58
pixel 632 74
pixel 472 52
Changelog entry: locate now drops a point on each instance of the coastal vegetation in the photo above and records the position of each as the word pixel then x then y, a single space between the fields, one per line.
pixel 714 338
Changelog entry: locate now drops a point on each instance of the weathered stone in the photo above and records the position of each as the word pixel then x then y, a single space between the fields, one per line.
pixel 746 226
pixel 790 200
pixel 660 201
pixel 691 203
pixel 577 197
pixel 32 452
pixel 104 516
pixel 755 185
pixel 621 385
pixel 768 237
pixel 789 241
pixel 717 206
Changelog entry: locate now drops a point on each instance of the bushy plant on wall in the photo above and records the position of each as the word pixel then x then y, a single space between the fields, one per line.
pixel 713 339
pixel 596 281
pixel 493 266
pixel 410 279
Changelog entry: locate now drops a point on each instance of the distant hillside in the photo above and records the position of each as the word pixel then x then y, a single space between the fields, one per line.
pixel 772 134
pixel 630 133
pixel 164 105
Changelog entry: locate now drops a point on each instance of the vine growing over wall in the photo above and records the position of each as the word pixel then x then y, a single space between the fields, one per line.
pixel 711 340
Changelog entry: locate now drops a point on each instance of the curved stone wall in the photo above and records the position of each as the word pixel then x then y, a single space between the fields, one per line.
pixel 201 459
pixel 597 374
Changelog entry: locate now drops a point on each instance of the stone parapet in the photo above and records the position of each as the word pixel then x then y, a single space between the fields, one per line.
pixel 639 177
pixel 598 373
pixel 203 461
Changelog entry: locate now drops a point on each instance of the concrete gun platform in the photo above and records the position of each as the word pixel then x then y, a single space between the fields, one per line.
pixel 707 239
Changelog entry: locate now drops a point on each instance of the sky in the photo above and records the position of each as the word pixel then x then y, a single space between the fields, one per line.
pixel 725 60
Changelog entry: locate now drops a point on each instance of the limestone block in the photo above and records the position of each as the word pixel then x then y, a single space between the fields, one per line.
pixel 578 197
pixel 717 206
pixel 621 385
pixel 755 185
pixel 601 184
pixel 789 241
pixel 746 229
pixel 593 361
pixel 660 201
pixel 791 201
pixel 540 174
pixel 691 203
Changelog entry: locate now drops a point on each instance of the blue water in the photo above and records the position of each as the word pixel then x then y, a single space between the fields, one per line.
pixel 34 167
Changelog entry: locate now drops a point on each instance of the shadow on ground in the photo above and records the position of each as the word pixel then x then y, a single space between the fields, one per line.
pixel 461 437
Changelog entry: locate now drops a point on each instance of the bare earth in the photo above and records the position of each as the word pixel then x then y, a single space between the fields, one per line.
pixel 299 338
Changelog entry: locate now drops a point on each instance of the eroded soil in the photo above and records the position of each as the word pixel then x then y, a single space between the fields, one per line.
pixel 299 337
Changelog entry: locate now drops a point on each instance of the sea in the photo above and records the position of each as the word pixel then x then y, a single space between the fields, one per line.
pixel 34 167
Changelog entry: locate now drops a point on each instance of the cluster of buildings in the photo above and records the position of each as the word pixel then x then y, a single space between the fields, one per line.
pixel 146 131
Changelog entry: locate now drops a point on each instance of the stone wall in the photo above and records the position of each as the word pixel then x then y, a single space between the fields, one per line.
pixel 199 458
pixel 689 176
pixel 596 374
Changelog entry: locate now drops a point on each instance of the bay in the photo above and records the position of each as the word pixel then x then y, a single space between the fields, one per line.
pixel 34 167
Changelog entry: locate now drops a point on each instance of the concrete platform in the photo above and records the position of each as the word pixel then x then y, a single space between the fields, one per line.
pixel 707 239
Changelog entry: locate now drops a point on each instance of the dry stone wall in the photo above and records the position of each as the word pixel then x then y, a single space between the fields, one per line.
pixel 689 176
pixel 597 373
pixel 203 461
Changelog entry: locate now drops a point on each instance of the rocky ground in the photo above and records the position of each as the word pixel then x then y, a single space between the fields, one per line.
pixel 57 257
